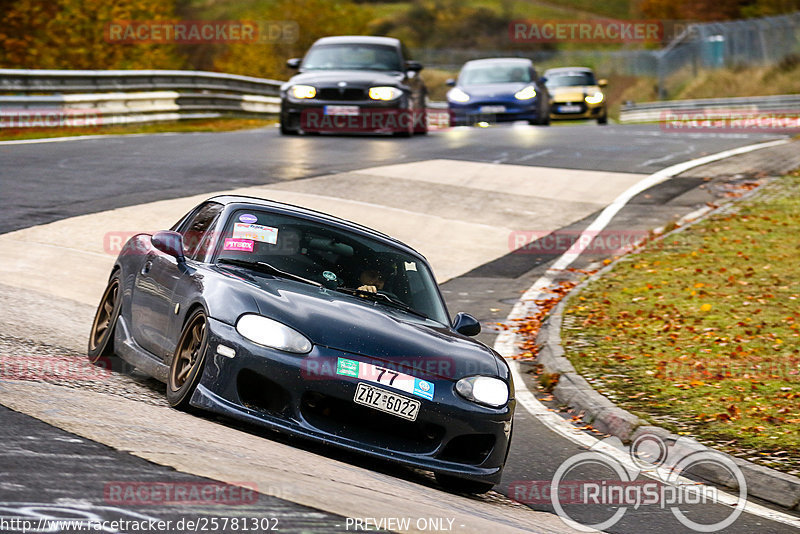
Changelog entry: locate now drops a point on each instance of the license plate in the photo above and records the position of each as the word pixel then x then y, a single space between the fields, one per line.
pixel 386 401
pixel 341 110
pixel 492 109
pixel 569 109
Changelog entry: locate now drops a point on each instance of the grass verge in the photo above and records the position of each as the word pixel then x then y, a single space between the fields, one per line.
pixel 187 126
pixel 699 332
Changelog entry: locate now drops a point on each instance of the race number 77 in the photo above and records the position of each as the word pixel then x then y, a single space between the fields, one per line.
pixel 387 372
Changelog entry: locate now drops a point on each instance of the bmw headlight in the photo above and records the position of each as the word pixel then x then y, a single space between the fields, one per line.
pixel 457 95
pixel 595 98
pixel 525 94
pixel 304 91
pixel 384 93
pixel 483 390
pixel 271 333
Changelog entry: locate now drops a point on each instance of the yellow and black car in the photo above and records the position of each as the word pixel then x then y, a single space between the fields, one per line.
pixel 576 94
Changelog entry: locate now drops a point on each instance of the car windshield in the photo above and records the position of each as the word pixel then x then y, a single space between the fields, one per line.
pixel 494 73
pixel 570 79
pixel 308 251
pixel 352 56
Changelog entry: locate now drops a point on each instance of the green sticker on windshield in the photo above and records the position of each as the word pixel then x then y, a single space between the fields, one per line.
pixel 347 367
pixel 329 275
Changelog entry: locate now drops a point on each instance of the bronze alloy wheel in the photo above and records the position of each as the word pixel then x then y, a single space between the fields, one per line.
pixel 187 363
pixel 101 337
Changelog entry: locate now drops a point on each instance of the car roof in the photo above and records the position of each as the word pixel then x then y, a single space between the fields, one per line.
pixel 309 213
pixel 568 69
pixel 358 39
pixel 499 60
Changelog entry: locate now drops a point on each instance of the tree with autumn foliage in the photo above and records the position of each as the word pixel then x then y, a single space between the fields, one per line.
pixel 70 34
pixel 715 10
pixel 313 18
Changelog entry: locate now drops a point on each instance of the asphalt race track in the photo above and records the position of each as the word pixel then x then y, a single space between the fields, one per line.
pixel 456 195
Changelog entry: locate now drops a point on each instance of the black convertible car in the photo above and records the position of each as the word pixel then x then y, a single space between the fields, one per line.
pixel 314 326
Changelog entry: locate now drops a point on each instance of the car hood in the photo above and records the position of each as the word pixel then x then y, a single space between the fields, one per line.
pixel 361 327
pixel 573 93
pixel 353 78
pixel 493 89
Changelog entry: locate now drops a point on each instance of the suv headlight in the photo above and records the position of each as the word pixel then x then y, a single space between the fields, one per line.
pixel 304 91
pixel 525 94
pixel 595 98
pixel 384 93
pixel 271 333
pixel 457 95
pixel 483 390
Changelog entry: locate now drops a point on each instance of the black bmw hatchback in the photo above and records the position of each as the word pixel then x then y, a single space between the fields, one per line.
pixel 313 326
pixel 354 84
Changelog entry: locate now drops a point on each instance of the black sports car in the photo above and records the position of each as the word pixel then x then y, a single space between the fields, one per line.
pixel 354 84
pixel 314 326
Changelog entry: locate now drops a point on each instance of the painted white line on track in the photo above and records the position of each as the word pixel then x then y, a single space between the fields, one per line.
pixel 506 343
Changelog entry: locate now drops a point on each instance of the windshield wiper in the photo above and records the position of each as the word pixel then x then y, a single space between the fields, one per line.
pixel 267 268
pixel 383 299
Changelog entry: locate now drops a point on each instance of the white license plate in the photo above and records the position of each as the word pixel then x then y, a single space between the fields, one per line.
pixel 386 401
pixel 342 110
pixel 492 109
pixel 569 109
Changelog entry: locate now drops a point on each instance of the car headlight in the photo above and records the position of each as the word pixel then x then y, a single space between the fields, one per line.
pixel 304 91
pixel 384 93
pixel 525 94
pixel 595 98
pixel 483 390
pixel 271 333
pixel 457 95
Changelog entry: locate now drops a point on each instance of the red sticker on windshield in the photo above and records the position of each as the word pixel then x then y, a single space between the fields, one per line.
pixel 242 245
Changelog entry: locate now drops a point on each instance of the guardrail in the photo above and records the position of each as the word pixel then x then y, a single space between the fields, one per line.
pixel 711 107
pixel 97 97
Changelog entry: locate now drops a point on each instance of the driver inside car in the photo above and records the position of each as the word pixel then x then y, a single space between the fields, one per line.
pixel 371 280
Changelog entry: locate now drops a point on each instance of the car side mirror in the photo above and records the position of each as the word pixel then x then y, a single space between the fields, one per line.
pixel 466 324
pixel 170 243
pixel 450 82
pixel 293 63
pixel 413 66
pixel 602 83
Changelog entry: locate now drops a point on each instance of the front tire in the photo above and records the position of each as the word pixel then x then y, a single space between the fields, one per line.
pixel 101 338
pixel 188 361
pixel 462 485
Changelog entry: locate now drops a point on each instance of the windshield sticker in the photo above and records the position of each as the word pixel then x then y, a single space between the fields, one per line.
pixel 256 232
pixel 385 377
pixel 328 275
pixel 248 218
pixel 241 245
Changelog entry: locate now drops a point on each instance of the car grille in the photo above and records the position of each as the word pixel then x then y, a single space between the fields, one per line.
pixel 353 421
pixel 333 93
pixel 556 105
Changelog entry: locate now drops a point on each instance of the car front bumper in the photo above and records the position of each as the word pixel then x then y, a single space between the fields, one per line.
pixel 492 111
pixel 315 115
pixel 303 396
pixel 577 110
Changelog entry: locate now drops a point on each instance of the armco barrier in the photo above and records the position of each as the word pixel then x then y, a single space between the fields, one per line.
pixel 658 111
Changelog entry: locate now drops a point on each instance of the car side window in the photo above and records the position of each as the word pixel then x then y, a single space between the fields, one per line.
pixel 196 227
